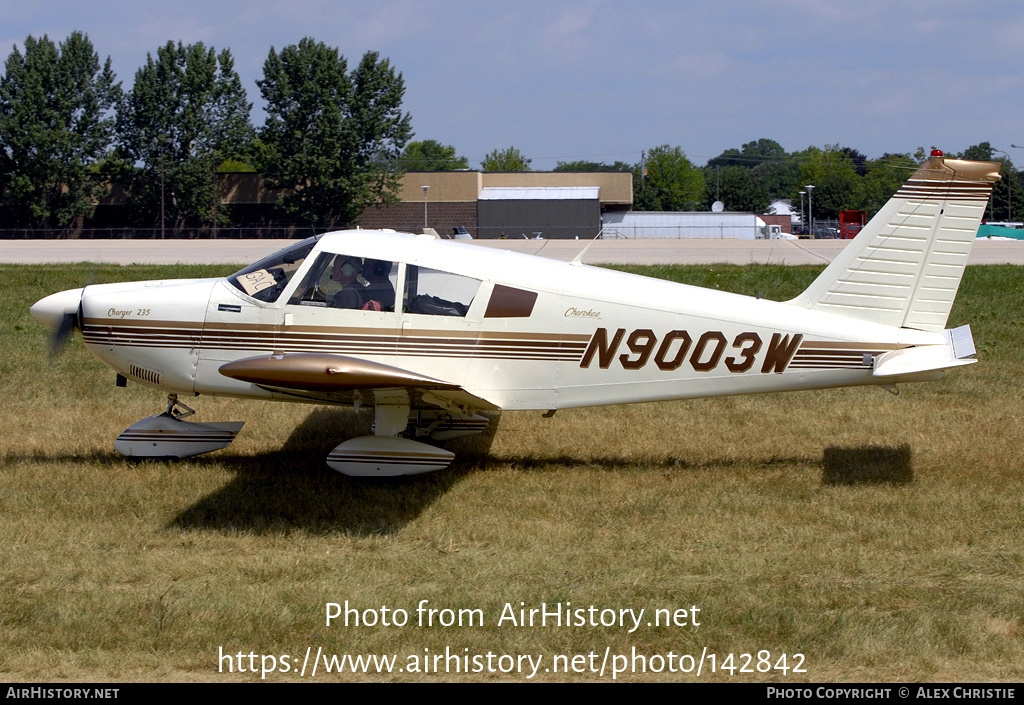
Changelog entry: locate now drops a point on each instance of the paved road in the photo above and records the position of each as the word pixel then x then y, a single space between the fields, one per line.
pixel 683 251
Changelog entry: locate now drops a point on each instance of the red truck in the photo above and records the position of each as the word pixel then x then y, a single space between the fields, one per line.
pixel 850 223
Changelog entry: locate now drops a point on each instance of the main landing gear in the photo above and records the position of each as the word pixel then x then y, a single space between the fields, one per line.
pixel 393 450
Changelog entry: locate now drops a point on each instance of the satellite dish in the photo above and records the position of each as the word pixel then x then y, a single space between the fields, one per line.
pixel 717 207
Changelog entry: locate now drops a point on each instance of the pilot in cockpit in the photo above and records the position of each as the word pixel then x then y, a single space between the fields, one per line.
pixel 345 271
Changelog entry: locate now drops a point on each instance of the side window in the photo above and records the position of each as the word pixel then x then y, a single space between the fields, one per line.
pixel 435 293
pixel 509 302
pixel 346 281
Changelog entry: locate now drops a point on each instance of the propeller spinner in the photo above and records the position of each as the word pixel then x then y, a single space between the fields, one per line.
pixel 62 312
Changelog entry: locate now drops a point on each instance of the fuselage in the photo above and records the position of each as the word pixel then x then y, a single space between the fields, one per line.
pixel 526 333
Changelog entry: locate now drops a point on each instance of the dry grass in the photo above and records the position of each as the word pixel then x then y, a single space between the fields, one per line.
pixel 877 535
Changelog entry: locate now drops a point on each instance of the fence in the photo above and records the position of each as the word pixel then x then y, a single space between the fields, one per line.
pixel 249 233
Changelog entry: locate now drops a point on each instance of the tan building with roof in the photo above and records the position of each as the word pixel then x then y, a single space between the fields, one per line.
pixel 506 204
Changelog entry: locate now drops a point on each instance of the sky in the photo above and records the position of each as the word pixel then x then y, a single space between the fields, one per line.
pixel 604 80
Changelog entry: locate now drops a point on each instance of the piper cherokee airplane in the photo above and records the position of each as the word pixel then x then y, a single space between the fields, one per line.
pixel 433 332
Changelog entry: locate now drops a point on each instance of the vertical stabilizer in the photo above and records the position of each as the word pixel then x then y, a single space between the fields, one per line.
pixel 905 266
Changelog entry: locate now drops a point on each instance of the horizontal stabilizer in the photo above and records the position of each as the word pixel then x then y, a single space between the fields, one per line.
pixel 928 358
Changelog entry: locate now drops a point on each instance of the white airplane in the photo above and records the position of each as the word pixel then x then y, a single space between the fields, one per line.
pixel 432 332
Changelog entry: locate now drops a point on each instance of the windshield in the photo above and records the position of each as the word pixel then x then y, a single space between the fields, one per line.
pixel 266 279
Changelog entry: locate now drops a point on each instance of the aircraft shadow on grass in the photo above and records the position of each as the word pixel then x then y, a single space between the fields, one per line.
pixel 293 490
pixel 867 465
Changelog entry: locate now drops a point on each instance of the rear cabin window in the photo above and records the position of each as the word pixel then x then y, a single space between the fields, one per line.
pixel 432 292
pixel 509 302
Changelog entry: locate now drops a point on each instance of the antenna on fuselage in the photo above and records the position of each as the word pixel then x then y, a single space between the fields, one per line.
pixel 578 259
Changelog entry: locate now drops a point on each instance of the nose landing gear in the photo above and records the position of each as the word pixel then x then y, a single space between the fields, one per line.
pixel 167 436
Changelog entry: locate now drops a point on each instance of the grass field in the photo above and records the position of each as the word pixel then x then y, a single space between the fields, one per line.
pixel 878 536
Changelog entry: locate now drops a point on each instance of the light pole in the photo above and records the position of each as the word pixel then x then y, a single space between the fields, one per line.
pixel 425 208
pixel 802 208
pixel 810 207
pixel 162 143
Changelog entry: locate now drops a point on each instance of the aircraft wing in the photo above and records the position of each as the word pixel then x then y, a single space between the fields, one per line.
pixel 339 379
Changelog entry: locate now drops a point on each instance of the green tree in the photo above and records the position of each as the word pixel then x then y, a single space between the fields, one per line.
pixel 1007 201
pixel 333 140
pixel 778 178
pixel 431 155
pixel 884 177
pixel 981 152
pixel 751 154
pixel 832 173
pixel 586 166
pixel 772 169
pixel 667 181
pixel 736 187
pixel 186 113
pixel 56 122
pixel 510 159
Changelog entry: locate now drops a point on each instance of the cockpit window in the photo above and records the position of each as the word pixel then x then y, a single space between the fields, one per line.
pixel 346 281
pixel 436 293
pixel 266 279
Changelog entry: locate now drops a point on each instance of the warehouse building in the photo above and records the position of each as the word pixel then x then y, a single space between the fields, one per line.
pixel 506 205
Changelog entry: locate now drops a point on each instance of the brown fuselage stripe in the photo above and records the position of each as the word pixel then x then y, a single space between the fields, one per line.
pixel 831 355
pixel 535 347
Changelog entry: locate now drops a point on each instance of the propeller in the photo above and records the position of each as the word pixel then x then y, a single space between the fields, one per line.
pixel 69 323
pixel 63 313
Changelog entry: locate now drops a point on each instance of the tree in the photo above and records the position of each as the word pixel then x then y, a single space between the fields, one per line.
pixel 832 173
pixel 1007 189
pixel 858 160
pixel 55 124
pixel 431 155
pixel 586 166
pixel 186 113
pixel 736 187
pixel 666 181
pixel 884 177
pixel 751 154
pixel 332 140
pixel 979 152
pixel 778 178
pixel 510 159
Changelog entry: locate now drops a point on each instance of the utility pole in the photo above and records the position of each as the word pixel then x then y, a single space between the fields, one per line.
pixel 425 208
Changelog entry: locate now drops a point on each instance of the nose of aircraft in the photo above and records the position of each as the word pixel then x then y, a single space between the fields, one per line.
pixel 51 310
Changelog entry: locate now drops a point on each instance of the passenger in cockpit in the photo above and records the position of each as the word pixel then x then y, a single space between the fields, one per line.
pixel 378 287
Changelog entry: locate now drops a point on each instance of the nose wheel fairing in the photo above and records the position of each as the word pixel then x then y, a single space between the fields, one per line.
pixel 166 435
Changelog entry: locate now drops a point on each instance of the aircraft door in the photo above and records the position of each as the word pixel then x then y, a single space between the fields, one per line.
pixel 235 328
pixel 344 305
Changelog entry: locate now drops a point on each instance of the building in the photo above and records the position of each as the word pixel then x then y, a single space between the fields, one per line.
pixel 487 204
pixel 506 205
pixel 686 224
